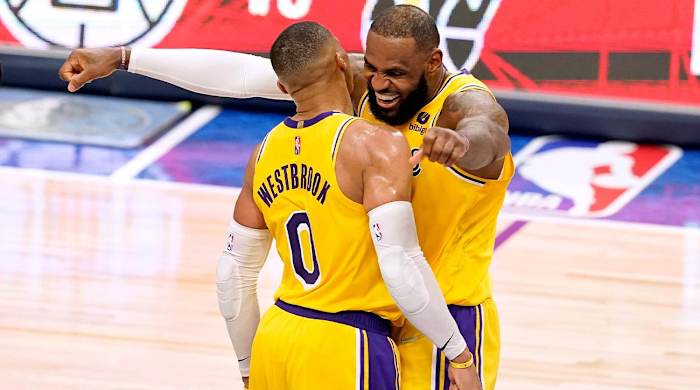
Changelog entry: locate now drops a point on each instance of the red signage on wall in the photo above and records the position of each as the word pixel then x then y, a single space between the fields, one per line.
pixel 634 49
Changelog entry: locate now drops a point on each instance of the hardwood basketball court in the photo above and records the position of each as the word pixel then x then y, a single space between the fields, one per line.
pixel 109 284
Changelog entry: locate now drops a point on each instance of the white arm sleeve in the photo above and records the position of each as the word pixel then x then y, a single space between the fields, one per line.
pixel 236 287
pixel 409 278
pixel 209 72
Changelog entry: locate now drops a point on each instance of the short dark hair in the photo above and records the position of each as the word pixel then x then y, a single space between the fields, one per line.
pixel 298 46
pixel 408 21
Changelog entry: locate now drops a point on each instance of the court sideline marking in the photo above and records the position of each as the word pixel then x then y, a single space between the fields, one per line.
pixel 508 232
pixel 167 142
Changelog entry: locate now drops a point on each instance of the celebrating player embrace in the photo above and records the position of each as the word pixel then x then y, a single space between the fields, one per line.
pixel 461 166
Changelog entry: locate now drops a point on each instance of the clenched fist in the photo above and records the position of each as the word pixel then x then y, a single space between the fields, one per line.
pixel 84 65
pixel 441 145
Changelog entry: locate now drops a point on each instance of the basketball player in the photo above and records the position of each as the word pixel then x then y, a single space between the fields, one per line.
pixel 315 184
pixel 452 119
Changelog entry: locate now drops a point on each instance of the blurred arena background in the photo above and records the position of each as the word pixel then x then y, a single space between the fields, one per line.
pixel 116 199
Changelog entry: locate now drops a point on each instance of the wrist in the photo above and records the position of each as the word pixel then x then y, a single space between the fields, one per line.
pixel 122 57
pixel 463 360
pixel 462 357
pixel 456 347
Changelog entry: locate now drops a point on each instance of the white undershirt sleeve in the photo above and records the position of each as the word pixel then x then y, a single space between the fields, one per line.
pixel 210 72
pixel 409 278
pixel 236 287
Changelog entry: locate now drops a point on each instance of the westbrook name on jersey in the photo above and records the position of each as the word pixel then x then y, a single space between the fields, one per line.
pixel 322 235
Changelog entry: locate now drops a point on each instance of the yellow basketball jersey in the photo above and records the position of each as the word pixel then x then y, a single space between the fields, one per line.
pixel 321 235
pixel 455 211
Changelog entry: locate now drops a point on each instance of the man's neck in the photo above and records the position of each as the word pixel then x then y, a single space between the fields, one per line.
pixel 435 84
pixel 316 99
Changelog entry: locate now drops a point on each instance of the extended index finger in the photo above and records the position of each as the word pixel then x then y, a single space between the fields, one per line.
pixel 428 142
pixel 415 159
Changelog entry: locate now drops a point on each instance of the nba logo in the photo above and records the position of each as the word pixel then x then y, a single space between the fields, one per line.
pixel 229 242
pixel 377 232
pixel 583 178
pixel 297 145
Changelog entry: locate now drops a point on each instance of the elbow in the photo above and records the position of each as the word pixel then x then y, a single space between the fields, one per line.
pixel 498 141
pixel 501 145
pixel 403 280
pixel 228 292
pixel 499 131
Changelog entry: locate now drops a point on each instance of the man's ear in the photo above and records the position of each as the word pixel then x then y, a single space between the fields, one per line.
pixel 434 63
pixel 340 62
pixel 282 88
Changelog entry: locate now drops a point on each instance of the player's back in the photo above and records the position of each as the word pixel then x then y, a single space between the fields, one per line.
pixel 321 235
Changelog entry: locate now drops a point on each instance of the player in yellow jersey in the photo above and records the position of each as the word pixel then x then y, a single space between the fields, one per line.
pixel 318 185
pixel 452 119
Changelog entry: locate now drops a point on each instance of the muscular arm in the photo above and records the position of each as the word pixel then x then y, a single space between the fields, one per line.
pixel 246 212
pixel 386 181
pixel 386 173
pixel 209 72
pixel 237 273
pixel 476 116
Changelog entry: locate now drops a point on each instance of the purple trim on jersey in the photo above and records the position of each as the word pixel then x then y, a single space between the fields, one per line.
pixel 508 232
pixel 289 122
pixel 479 359
pixel 446 383
pixel 382 366
pixel 357 319
pixel 362 359
pixel 466 318
pixel 438 356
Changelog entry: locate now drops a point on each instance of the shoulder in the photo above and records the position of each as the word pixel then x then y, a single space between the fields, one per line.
pixel 470 98
pixel 252 160
pixel 366 144
pixel 261 147
pixel 472 104
pixel 377 138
